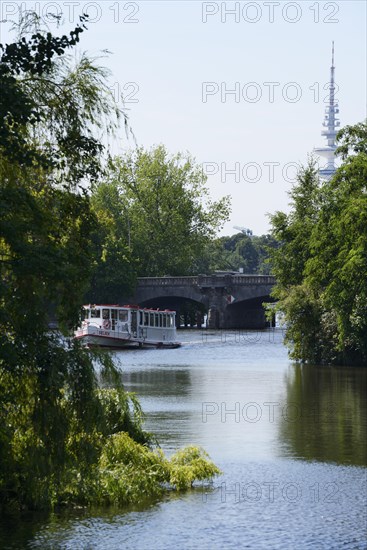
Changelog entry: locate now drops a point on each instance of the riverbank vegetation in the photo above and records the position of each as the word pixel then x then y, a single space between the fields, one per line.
pixel 156 218
pixel 321 263
pixel 69 432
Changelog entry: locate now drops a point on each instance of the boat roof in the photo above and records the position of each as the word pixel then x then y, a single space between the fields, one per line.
pixel 128 306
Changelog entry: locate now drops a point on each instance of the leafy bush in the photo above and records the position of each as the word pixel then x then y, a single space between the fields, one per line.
pixel 130 473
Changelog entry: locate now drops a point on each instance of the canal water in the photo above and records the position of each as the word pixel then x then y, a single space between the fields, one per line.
pixel 290 441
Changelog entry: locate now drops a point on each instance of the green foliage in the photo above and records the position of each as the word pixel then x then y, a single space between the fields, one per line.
pixel 190 464
pixel 249 252
pixel 67 440
pixel 51 413
pixel 122 413
pixel 129 472
pixel 32 57
pixel 321 265
pixel 50 108
pixel 156 216
pixel 62 427
pixel 293 231
pixel 45 154
pixel 114 273
pixel 53 417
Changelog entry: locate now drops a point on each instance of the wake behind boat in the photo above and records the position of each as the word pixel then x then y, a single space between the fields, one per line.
pixel 124 326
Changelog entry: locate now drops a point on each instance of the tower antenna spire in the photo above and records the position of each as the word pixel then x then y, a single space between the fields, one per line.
pixel 330 125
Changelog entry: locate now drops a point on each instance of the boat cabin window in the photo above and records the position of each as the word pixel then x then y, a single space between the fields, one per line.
pixel 156 319
pixel 114 314
pixel 105 313
pixel 95 313
pixel 123 315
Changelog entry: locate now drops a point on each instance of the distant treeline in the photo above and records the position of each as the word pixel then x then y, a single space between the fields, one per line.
pixel 241 252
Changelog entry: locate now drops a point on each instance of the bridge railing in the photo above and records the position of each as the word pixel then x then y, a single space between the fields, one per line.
pixel 253 279
pixel 166 281
pixel 207 280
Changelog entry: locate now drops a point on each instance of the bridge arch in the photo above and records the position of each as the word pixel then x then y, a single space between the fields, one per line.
pixel 232 300
pixel 248 313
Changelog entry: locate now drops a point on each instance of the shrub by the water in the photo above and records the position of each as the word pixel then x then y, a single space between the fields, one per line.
pixel 70 438
pixel 129 472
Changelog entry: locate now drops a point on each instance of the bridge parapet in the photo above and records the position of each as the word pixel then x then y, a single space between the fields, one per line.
pixel 212 281
pixel 167 281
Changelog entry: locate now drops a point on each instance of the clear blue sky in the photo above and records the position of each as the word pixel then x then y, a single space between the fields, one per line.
pixel 274 56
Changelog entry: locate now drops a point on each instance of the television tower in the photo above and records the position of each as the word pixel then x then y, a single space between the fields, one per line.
pixel 330 124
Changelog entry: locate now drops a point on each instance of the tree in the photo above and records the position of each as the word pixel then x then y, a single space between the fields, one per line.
pixel 48 156
pixel 337 270
pixel 295 300
pixel 264 245
pixel 160 206
pixel 320 265
pixel 239 251
pixel 51 413
pixel 58 420
pixel 115 267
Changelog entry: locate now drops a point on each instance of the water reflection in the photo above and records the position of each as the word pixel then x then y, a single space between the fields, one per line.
pixel 325 416
pixel 159 381
pixel 164 392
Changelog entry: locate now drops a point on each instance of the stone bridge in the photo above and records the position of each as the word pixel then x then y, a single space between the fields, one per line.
pixel 230 300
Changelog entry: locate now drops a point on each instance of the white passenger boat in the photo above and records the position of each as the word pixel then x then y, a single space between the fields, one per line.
pixel 124 326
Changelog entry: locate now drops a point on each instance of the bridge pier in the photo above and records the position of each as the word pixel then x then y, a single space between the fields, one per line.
pixel 216 309
pixel 178 318
pixel 213 318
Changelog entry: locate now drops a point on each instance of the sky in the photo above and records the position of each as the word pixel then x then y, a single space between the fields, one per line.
pixel 242 86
